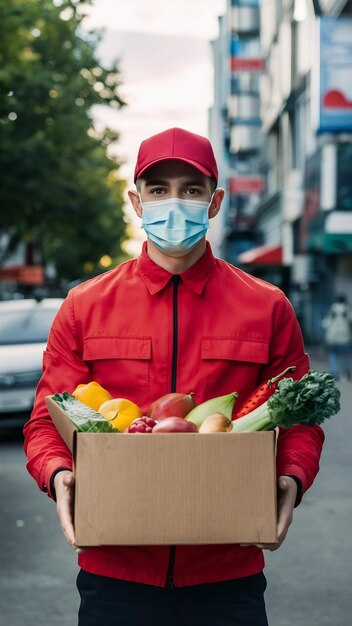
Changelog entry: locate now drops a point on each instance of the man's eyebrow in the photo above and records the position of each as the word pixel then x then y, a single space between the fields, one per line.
pixel 159 181
pixel 195 183
pixel 165 183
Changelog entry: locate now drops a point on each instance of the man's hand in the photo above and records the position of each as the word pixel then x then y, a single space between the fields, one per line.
pixel 64 483
pixel 286 498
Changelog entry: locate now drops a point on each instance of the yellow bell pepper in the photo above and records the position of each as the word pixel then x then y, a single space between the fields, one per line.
pixel 92 394
pixel 120 412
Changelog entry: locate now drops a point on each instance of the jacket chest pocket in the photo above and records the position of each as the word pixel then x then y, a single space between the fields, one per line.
pixel 121 364
pixel 231 364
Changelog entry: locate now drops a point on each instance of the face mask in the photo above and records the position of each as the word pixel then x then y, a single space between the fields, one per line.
pixel 175 225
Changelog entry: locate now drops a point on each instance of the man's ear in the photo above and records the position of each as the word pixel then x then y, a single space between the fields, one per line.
pixel 216 202
pixel 135 201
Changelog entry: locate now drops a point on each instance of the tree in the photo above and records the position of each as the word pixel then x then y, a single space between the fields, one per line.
pixel 61 191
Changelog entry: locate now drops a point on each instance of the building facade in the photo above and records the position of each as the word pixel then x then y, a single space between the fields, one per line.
pixel 301 219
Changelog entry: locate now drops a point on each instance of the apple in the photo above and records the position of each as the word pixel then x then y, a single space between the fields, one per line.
pixel 171 405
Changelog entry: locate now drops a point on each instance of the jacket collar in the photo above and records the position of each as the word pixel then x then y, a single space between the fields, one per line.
pixel 195 278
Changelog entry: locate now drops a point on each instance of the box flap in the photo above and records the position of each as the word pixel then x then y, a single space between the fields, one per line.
pixel 63 424
pixel 175 488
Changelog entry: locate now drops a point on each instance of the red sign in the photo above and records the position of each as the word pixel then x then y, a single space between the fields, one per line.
pixel 244 184
pixel 240 64
pixel 23 274
pixel 312 183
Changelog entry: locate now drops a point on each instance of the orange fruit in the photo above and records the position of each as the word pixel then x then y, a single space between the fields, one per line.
pixel 92 394
pixel 120 412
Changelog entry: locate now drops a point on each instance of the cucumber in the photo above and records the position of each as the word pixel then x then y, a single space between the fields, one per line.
pixel 83 417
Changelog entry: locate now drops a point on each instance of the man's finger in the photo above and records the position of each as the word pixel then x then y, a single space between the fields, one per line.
pixel 64 498
pixel 68 479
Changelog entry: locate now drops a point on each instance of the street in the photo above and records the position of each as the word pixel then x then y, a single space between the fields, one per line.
pixel 309 578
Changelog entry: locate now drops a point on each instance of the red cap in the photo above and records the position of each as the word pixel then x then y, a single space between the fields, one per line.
pixel 179 144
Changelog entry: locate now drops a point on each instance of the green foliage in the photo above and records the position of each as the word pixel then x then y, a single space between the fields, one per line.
pixel 310 400
pixel 83 417
pixel 61 190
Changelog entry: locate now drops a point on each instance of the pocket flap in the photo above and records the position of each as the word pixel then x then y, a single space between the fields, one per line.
pixel 100 348
pixel 235 349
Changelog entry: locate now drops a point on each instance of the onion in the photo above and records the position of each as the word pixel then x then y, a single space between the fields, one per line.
pixel 216 423
pixel 175 425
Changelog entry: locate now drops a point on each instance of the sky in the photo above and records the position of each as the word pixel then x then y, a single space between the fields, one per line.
pixel 165 58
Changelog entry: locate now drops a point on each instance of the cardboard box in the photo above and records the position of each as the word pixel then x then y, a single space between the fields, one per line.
pixel 179 488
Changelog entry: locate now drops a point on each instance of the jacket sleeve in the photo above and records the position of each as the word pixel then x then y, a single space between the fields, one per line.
pixel 298 453
pixel 298 448
pixel 286 343
pixel 63 370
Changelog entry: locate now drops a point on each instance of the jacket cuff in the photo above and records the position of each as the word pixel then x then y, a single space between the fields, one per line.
pixel 52 477
pixel 299 488
pixel 48 470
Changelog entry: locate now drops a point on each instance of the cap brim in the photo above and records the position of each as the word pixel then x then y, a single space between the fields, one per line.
pixel 196 165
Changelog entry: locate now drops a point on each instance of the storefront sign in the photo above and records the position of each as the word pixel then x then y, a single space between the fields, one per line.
pixel 335 84
pixel 310 221
pixel 239 64
pixel 245 54
pixel 23 274
pixel 243 184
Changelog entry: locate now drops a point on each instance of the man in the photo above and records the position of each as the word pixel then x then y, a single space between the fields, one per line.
pixel 338 337
pixel 174 319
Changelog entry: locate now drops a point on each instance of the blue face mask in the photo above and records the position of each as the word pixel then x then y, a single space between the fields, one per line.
pixel 175 225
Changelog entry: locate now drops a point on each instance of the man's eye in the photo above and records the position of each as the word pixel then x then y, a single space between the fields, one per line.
pixel 192 191
pixel 158 191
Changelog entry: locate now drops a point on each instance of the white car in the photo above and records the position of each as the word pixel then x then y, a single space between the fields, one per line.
pixel 24 329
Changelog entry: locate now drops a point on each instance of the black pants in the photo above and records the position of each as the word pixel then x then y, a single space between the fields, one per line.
pixel 111 602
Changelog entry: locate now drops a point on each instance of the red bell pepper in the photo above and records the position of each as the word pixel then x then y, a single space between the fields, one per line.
pixel 262 393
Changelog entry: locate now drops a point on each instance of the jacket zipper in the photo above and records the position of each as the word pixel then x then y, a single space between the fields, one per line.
pixel 176 281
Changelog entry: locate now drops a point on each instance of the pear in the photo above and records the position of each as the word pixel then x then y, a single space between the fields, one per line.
pixel 220 404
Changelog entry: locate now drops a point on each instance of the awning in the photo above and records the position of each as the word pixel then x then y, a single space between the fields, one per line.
pixel 333 235
pixel 262 255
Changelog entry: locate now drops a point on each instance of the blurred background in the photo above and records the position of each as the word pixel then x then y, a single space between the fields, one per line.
pixel 269 82
pixel 82 84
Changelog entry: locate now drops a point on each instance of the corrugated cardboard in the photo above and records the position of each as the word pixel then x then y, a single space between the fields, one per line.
pixel 171 488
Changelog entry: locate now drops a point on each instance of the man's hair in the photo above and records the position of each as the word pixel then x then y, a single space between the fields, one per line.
pixel 213 184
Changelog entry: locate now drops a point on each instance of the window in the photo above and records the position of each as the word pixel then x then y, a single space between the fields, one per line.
pixel 344 180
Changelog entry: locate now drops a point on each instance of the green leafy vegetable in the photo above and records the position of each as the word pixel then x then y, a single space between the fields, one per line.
pixel 83 417
pixel 308 401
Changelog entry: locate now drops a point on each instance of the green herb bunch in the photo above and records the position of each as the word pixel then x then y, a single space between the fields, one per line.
pixel 308 401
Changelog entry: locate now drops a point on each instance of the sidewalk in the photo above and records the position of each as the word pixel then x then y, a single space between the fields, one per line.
pixel 319 361
pixel 318 357
pixel 309 577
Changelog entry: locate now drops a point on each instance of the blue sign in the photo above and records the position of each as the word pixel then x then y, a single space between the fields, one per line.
pixel 335 92
pixel 245 48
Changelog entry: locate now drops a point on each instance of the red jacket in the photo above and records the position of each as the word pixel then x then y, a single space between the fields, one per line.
pixel 141 334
